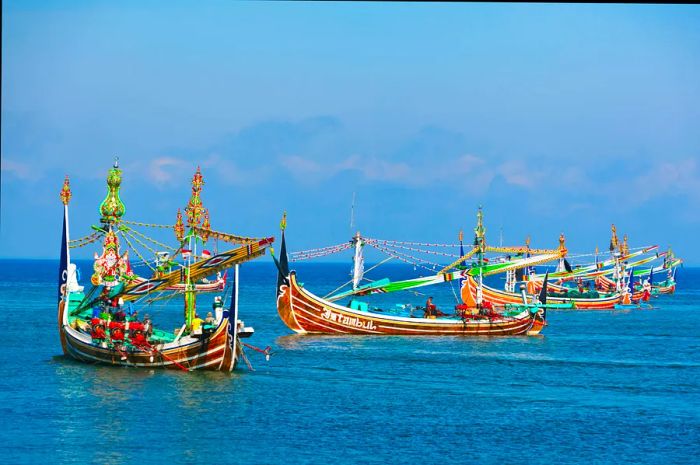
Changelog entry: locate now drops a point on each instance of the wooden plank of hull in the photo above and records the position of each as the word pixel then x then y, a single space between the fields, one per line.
pixel 304 312
pixel 498 297
pixel 212 353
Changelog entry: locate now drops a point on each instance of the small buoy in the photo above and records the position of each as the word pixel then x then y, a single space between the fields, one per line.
pixel 267 357
pixel 151 359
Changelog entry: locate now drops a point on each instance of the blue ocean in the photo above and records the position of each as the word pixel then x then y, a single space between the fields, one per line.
pixel 595 387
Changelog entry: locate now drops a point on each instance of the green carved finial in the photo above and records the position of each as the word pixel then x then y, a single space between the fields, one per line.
pixel 112 208
pixel 194 209
pixel 480 236
pixel 480 230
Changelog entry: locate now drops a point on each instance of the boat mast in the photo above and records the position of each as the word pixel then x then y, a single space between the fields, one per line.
pixel 562 249
pixel 236 275
pixel 352 213
pixel 480 236
pixel 112 208
pixel 480 244
pixel 358 261
pixel 63 278
pixel 111 267
pixel 65 198
pixel 614 245
pixel 527 255
pixel 197 216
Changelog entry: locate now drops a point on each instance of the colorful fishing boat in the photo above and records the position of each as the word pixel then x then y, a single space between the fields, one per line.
pixel 623 273
pixel 471 290
pixel 306 313
pixel 600 285
pixel 102 325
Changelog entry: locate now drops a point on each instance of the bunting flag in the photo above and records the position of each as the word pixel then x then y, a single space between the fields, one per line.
pixel 199 270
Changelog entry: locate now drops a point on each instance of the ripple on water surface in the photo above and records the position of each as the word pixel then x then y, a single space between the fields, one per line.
pixel 620 387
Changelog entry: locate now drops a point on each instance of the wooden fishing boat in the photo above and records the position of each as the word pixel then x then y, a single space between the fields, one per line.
pixel 601 285
pixel 94 326
pixel 304 312
pixel 470 290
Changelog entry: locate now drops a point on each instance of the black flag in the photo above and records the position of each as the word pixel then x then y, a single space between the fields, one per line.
pixel 543 292
pixel 282 265
pixel 520 274
pixel 567 266
pixel 63 266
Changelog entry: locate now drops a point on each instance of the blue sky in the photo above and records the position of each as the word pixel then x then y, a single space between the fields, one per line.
pixel 553 117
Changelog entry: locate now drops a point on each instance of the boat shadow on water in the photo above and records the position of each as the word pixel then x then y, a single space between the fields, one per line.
pixel 126 376
pixel 355 341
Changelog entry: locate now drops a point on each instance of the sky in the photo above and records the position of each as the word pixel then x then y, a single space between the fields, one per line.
pixel 554 118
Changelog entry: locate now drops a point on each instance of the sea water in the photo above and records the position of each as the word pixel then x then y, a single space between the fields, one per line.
pixel 595 387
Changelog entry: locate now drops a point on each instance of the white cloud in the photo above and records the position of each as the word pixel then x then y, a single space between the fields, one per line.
pixel 302 168
pixel 22 171
pixel 517 173
pixel 465 168
pixel 164 170
pixel 232 173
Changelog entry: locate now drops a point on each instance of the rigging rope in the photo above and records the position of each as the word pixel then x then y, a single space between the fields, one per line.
pixel 150 225
pixel 226 237
pixel 337 289
pixel 401 256
pixel 315 253
pixel 150 249
pixel 152 240
pixel 136 251
pixel 83 241
pixel 420 244
pixel 366 271
pixel 321 249
pixel 412 249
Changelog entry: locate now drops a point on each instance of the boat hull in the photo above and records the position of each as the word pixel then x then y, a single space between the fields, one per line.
pixel 303 312
pixel 217 351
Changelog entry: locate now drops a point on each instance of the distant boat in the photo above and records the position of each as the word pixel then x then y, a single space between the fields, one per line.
pixel 94 326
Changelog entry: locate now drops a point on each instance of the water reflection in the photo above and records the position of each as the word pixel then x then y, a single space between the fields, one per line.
pixel 105 411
